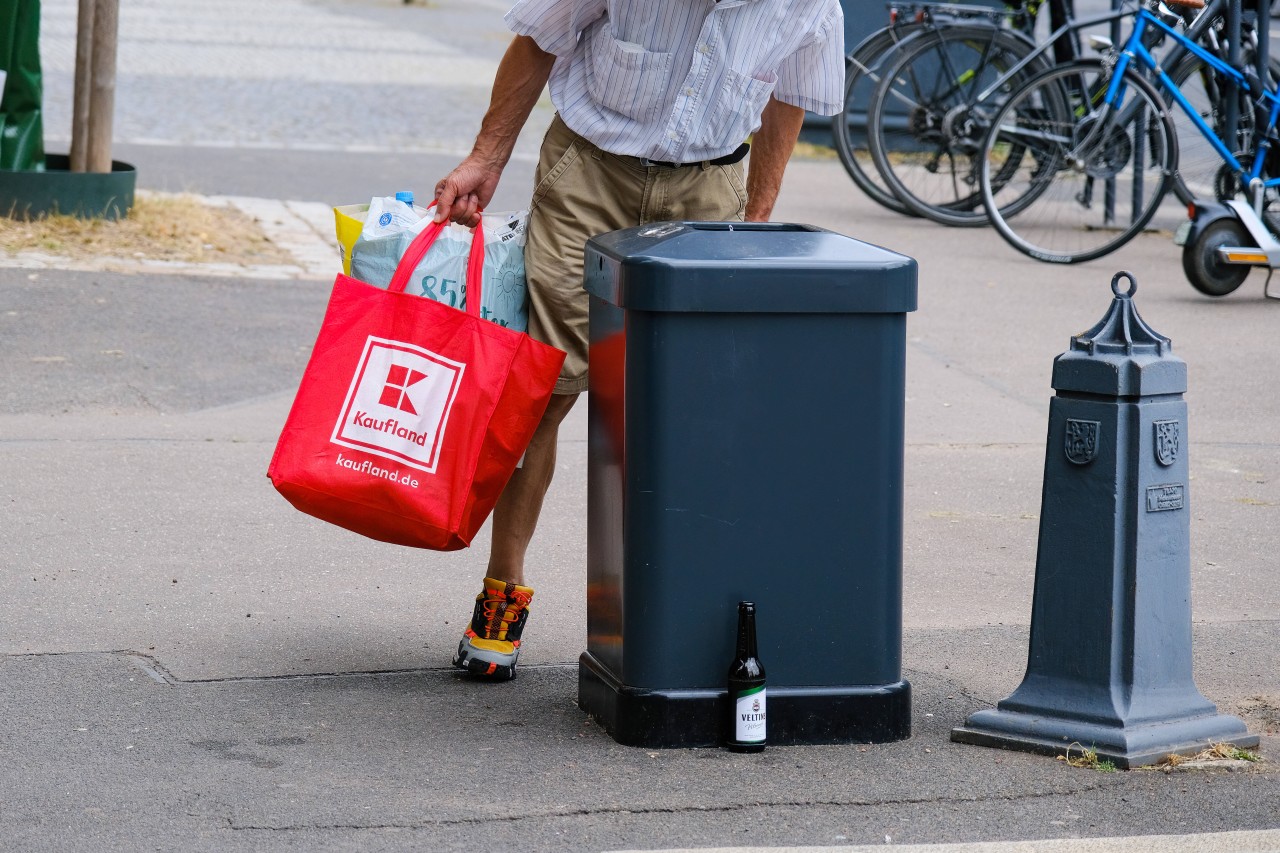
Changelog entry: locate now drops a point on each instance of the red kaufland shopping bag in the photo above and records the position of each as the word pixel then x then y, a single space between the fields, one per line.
pixel 411 415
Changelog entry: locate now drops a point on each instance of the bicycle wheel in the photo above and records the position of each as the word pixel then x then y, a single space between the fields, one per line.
pixel 1088 177
pixel 862 74
pixel 926 125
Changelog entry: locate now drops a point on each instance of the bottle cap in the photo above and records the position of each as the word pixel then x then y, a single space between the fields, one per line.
pixel 405 196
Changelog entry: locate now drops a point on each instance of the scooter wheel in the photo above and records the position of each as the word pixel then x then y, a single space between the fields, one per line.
pixel 1205 270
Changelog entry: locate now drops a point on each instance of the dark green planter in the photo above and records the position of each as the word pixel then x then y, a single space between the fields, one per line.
pixel 57 190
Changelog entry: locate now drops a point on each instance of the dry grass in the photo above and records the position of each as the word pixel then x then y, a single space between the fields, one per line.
pixel 1088 759
pixel 1217 752
pixel 813 151
pixel 160 227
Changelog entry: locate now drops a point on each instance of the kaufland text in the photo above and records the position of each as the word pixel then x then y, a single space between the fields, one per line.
pixel 391 425
pixel 367 467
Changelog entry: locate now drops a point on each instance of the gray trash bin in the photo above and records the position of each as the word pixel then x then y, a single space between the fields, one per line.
pixel 746 439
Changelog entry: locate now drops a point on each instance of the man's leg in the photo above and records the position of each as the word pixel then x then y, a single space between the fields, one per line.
pixel 490 646
pixel 578 194
pixel 516 515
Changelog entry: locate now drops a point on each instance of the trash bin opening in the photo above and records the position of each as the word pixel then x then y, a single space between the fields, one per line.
pixel 750 226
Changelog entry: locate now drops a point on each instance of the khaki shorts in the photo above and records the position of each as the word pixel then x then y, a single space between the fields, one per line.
pixel 581 191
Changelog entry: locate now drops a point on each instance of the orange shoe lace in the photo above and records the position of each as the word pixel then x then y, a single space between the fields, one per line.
pixel 498 618
pixel 516 604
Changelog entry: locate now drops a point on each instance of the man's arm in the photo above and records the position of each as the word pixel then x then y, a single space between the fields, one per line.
pixel 522 74
pixel 771 147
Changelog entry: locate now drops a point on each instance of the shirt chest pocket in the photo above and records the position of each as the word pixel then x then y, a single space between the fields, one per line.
pixel 733 113
pixel 624 77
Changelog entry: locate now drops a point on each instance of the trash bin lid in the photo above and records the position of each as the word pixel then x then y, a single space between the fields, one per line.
pixel 738 267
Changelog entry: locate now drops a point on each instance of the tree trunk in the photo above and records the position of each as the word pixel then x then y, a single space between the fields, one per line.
pixel 102 91
pixel 80 101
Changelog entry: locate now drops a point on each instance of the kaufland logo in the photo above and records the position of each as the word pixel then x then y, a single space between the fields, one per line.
pixel 396 392
pixel 399 402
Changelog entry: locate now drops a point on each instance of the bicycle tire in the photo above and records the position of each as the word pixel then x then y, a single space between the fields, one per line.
pixel 1073 152
pixel 862 74
pixel 929 158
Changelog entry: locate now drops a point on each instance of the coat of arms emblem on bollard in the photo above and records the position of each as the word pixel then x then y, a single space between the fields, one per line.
pixel 1082 440
pixel 1166 442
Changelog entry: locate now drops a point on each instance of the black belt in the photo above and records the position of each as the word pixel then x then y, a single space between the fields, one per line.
pixel 726 160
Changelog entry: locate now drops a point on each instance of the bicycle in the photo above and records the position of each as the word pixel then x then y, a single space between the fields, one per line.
pixel 1200 170
pixel 925 121
pixel 1097 149
pixel 863 68
pixel 862 74
pixel 951 83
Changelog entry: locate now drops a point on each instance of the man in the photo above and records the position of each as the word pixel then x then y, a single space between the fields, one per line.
pixel 654 100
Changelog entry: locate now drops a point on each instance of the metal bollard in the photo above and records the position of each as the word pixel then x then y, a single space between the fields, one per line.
pixel 1109 666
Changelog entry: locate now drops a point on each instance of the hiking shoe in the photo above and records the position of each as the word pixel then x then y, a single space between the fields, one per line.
pixel 491 644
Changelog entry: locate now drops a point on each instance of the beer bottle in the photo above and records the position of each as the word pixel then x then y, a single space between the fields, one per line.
pixel 747 729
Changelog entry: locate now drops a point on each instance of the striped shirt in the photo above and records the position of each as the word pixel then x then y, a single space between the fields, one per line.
pixel 684 80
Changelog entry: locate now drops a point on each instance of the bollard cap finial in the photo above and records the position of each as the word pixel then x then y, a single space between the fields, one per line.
pixel 1120 355
pixel 1121 329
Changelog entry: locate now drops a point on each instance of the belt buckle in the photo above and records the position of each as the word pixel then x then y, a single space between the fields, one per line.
pixel 647 163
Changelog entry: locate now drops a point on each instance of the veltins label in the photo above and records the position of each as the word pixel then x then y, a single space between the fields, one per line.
pixel 749 719
pixel 399 403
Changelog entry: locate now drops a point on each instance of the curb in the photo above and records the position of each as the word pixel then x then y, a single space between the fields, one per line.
pixel 1260 841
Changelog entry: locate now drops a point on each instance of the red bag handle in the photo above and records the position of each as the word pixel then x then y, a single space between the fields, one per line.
pixel 418 249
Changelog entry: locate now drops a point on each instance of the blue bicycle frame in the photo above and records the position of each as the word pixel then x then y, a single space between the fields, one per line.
pixel 1135 50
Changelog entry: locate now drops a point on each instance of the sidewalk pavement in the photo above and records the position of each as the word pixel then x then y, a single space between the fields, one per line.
pixel 190 664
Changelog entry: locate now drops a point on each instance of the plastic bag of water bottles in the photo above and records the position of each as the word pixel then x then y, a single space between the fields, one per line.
pixel 387 231
pixel 440 275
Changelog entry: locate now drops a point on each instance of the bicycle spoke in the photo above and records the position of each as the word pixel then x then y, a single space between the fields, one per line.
pixel 848 130
pixel 1088 180
pixel 927 126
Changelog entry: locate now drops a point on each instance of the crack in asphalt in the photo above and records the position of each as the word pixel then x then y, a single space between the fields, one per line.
pixel 146 662
pixel 157 671
pixel 692 809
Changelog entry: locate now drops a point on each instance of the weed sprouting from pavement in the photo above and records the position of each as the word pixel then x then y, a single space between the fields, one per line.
pixel 1216 752
pixel 1088 759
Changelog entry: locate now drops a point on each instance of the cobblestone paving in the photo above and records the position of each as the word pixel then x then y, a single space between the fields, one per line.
pixel 374 75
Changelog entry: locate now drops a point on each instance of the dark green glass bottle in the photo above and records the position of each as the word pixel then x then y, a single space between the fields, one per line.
pixel 747 729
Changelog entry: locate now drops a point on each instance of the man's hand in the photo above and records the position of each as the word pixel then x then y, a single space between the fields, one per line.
pixel 466 191
pixel 522 74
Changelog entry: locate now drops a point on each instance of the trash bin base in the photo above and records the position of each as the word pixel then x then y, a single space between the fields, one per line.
pixel 656 719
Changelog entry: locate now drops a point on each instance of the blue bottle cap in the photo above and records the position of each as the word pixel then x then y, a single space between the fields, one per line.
pixel 405 196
